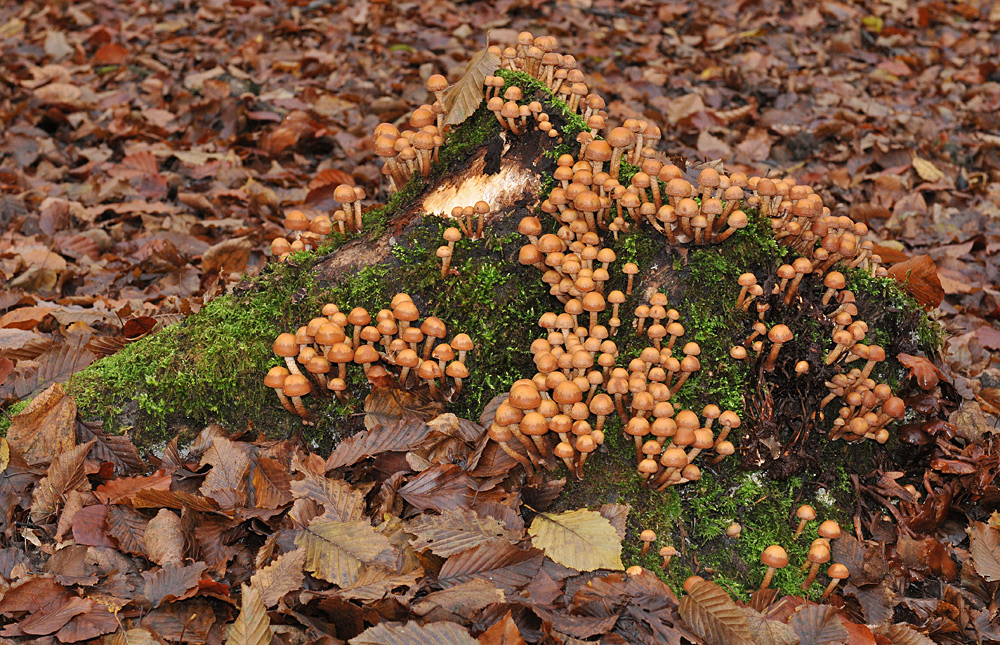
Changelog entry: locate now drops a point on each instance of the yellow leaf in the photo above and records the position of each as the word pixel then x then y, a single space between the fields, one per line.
pixel 927 170
pixel 873 24
pixel 4 454
pixel 252 626
pixel 581 539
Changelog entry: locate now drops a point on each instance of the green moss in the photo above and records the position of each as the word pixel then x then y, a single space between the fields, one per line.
pixel 7 414
pixel 207 368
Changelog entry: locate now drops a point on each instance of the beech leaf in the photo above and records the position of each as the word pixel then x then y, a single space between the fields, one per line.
pixel 708 611
pixel 252 626
pixel 580 539
pixel 280 577
pixel 818 625
pixel 336 551
pixel 903 635
pixel 463 98
pixel 438 633
pixel 984 545
pixel 46 428
pixel 454 531
pixel 499 562
pixel 64 474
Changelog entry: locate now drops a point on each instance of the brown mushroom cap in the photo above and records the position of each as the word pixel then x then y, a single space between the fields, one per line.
pixel 829 530
pixel 437 83
pixel 837 571
pixel 780 334
pixel 806 512
pixel 774 556
pixel 276 377
pixel 835 280
pixel 285 345
pixel 296 385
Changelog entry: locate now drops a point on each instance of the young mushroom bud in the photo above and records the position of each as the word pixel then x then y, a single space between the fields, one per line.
pixel 774 557
pixel 734 530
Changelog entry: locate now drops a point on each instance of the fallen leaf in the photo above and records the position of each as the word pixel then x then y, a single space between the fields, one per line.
pixel 164 538
pixel 252 626
pixel 918 277
pixel 709 612
pixel 463 98
pixel 336 551
pixel 46 428
pixel 580 539
pixel 280 577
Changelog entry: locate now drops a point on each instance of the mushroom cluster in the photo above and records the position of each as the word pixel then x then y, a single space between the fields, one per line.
pixel 412 151
pixel 775 557
pixel 395 343
pixel 303 234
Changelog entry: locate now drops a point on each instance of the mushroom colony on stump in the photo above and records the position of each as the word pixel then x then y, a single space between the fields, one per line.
pixel 615 351
pixel 558 414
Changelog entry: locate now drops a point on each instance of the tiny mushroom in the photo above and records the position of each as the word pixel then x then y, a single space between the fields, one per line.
pixel 774 557
pixel 648 537
pixel 806 514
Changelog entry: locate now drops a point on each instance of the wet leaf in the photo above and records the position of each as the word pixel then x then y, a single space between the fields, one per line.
pixel 918 277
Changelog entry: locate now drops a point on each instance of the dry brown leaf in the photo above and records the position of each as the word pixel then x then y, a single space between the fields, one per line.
pixel 229 256
pixel 709 612
pixel 66 473
pixel 172 582
pixel 818 625
pixel 271 484
pixel 503 632
pixel 340 500
pixel 463 98
pixel 336 551
pixel 411 633
pixel 769 632
pixel 903 635
pixel 580 539
pixel 454 531
pixel 984 546
pixel 927 170
pixel 46 428
pixel 439 488
pixel 128 528
pixel 280 577
pixel 397 436
pixel 226 483
pixel 164 538
pixel 252 626
pixel 497 561
pixel 918 277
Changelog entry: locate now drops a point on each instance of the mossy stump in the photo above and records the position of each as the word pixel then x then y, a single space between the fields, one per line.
pixel 210 367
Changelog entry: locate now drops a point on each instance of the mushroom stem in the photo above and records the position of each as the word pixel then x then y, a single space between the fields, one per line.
pixel 829 589
pixel 516 456
pixel 772 357
pixel 767 578
pixel 285 402
pixel 292 366
pixel 300 409
pixel 811 577
pixel 801 527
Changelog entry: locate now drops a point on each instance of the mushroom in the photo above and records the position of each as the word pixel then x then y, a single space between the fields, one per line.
pixel 691 582
pixel 620 139
pixel 779 335
pixel 295 387
pixel 648 537
pixel 444 253
pixel 734 530
pixel 837 572
pixel 774 558
pixel 275 379
pixel 463 345
pixel 834 282
pixel 818 554
pixel 630 269
pixel 286 347
pixel 829 530
pixel 667 553
pixel 806 514
pixel 457 371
